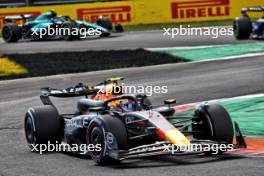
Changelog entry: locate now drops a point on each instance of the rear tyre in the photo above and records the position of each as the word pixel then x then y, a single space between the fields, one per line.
pixel 242 27
pixel 11 32
pixel 70 26
pixel 43 125
pixel 216 125
pixel 96 135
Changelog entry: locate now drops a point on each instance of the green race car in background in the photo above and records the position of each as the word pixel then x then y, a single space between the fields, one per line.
pixel 36 28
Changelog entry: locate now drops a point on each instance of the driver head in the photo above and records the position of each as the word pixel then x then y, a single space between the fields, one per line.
pixel 53 13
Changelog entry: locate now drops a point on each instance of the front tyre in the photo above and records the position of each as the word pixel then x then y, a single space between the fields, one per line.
pixel 214 123
pixel 97 131
pixel 119 28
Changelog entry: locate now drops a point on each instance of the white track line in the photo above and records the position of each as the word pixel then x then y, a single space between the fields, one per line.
pixel 183 47
pixel 234 57
pixel 226 99
pixel 207 46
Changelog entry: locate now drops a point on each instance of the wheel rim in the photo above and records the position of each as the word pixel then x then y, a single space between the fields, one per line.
pixel 95 137
pixel 29 130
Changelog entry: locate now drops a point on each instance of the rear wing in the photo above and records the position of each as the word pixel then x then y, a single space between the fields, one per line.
pixel 253 9
pixel 48 92
pixel 69 92
pixel 76 91
pixel 16 18
pixel 19 17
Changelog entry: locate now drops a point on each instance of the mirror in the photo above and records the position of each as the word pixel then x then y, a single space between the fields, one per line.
pixel 170 101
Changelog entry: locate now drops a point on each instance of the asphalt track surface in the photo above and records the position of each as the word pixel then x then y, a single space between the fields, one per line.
pixel 188 82
pixel 126 40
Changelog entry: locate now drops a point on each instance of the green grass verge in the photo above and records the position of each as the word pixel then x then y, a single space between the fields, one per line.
pixel 159 26
pixel 247 112
pixel 213 53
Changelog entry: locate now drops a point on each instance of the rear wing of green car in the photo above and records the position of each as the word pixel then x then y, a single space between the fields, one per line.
pixel 11 19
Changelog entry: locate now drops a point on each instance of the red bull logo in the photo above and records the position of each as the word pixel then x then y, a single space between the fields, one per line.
pixel 200 9
pixel 118 14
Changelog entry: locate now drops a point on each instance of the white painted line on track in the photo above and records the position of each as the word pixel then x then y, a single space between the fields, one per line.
pixel 234 57
pixel 207 46
pixel 226 99
pixel 183 47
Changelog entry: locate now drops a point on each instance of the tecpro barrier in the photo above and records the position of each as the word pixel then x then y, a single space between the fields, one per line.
pixel 143 11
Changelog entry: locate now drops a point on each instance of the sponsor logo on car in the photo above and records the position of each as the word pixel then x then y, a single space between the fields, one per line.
pixel 118 14
pixel 3 15
pixel 200 9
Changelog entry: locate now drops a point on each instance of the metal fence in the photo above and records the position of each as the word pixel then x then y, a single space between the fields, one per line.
pixel 17 3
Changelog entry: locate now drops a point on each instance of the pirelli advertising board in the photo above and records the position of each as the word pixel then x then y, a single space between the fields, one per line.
pixel 143 11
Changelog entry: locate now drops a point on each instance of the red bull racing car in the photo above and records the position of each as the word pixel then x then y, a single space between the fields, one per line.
pixel 128 126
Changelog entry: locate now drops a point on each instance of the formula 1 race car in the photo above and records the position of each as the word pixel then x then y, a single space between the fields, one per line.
pixel 245 28
pixel 29 27
pixel 127 126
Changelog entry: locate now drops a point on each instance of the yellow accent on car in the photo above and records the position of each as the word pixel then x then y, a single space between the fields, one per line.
pixel 176 137
pixel 8 67
pixel 114 79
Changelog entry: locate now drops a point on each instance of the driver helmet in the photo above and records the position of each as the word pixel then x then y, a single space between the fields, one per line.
pixel 53 13
pixel 126 105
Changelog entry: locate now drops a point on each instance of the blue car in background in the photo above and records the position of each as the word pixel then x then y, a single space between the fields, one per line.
pixel 245 27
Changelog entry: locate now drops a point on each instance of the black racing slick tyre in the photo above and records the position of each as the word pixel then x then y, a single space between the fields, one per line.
pixel 242 27
pixel 43 125
pixel 97 131
pixel 119 28
pixel 69 27
pixel 215 124
pixel 11 32
pixel 105 23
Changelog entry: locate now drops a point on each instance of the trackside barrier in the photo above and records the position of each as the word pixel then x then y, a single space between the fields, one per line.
pixel 143 11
